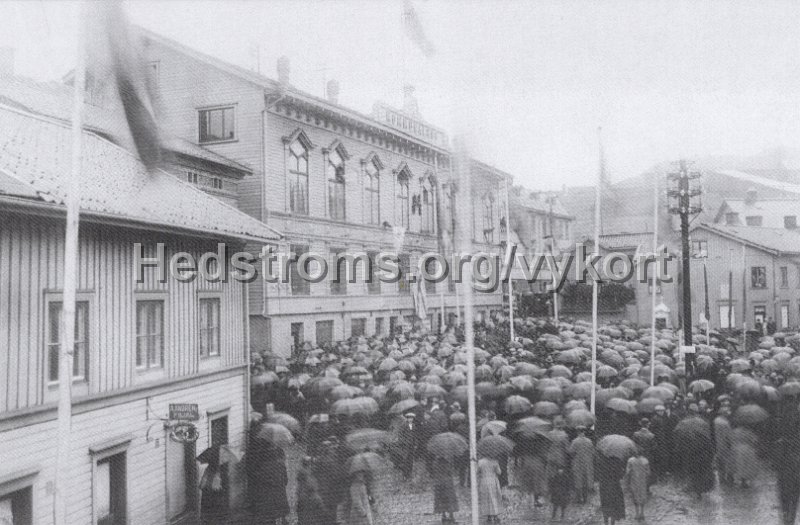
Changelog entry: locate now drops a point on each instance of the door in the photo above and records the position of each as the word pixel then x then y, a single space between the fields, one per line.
pixel 784 316
pixel 180 478
pixel 760 314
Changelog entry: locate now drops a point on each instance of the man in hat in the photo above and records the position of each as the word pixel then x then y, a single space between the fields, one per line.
pixel 723 441
pixel 660 427
pixel 581 450
pixel 407 444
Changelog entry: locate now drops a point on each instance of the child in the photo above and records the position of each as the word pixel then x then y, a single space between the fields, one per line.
pixel 637 478
pixel 559 485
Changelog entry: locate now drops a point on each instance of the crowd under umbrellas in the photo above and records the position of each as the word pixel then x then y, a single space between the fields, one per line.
pixel 368 404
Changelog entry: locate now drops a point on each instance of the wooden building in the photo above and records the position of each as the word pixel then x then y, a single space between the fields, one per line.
pixel 141 344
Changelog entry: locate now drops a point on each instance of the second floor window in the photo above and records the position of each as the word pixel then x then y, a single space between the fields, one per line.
pixel 372 194
pixel 209 327
pixel 427 210
pixel 784 276
pixel 55 334
pixel 336 189
pixel 298 178
pixel 339 274
pixel 488 219
pixel 758 277
pixel 403 286
pixel 373 282
pixel 299 285
pixel 699 249
pixel 149 334
pixel 402 199
pixel 217 124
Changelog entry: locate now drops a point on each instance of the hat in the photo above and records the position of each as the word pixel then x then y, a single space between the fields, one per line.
pixel 694 408
pixel 409 414
pixel 456 406
pixel 324 418
pixel 659 407
pixel 644 421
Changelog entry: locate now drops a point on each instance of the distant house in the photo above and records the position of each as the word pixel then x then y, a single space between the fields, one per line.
pixel 141 344
pixel 752 211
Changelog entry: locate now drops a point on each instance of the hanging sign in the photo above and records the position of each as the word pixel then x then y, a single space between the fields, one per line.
pixel 184 412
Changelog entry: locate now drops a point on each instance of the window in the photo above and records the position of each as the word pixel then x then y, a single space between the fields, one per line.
pixel 110 498
pixel 339 264
pixel 790 222
pixel 488 219
pixel 731 218
pixel 649 286
pixel 753 220
pixel 299 285
pixel 297 336
pixel 402 199
pixel 758 277
pixel 725 311
pixel 216 183
pixel 358 327
pixel 80 357
pixel 217 124
pixel 784 276
pixel 428 215
pixel 191 176
pixel 699 249
pixel 372 193
pixel 209 327
pixel 373 280
pixel 16 508
pixel 149 334
pixel 451 284
pixel 724 291
pixel 324 332
pixel 759 313
pixel 298 177
pixel 379 326
pixel 336 190
pixel 430 268
pixel 392 325
pixel 784 316
pixel 403 286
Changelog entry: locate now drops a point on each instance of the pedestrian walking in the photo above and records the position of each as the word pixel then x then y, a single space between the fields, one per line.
pixel 213 498
pixel 723 441
pixel 407 445
pixel 745 460
pixel 610 472
pixel 445 499
pixel 490 498
pixel 310 507
pixel 267 480
pixel 581 450
pixel 559 485
pixel 533 474
pixel 360 511
pixel 637 479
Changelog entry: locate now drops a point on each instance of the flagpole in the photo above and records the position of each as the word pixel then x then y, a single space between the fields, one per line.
pixel 600 177
pixel 66 349
pixel 744 297
pixel 655 279
pixel 552 245
pixel 510 280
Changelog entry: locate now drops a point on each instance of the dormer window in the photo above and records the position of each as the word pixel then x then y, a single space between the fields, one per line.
pixel 217 124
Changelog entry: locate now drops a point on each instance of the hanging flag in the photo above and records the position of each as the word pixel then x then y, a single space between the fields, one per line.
pixel 120 81
pixel 413 27
pixel 420 296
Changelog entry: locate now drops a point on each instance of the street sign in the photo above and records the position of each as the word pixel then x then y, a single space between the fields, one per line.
pixel 687 349
pixel 184 412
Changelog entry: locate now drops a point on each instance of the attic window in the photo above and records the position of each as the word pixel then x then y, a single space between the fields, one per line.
pixel 731 218
pixel 790 222
pixel 217 124
pixel 753 220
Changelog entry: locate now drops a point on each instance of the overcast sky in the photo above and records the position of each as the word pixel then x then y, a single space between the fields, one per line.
pixel 531 81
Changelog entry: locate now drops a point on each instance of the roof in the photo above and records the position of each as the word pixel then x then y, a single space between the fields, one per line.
pixel 53 99
pixel 776 240
pixel 537 201
pixel 35 161
pixel 623 241
pixel 766 207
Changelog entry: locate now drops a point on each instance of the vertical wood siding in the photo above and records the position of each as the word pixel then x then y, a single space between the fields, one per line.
pixel 31 266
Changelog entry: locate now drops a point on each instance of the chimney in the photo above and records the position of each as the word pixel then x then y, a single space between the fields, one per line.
pixel 410 106
pixel 751 196
pixel 284 70
pixel 332 91
pixel 6 62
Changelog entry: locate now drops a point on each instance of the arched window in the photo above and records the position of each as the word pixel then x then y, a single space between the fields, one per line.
pixel 372 191
pixel 298 177
pixel 428 210
pixel 488 218
pixel 336 191
pixel 402 205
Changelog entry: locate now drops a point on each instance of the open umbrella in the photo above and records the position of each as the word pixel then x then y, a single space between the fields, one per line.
pixel 402 390
pixel 580 418
pixel 581 390
pixel 570 357
pixel 495 447
pixel 401 407
pixel 516 405
pixel 560 371
pixel 426 390
pixel 790 388
pixel 552 393
pixel 648 405
pixel 344 392
pixel 635 384
pixel 616 446
pixel 367 438
pixel 739 365
pixel 533 426
pixel 320 386
pixel 447 445
pixel 493 428
pixel 659 392
pixel 281 418
pixel 692 428
pixel 264 378
pixel 357 405
pixel 621 405
pixel 364 462
pixel 699 386
pixel 545 408
pixel 522 383
pixel 606 371
pixel 276 434
pixel 219 455
pixel 750 414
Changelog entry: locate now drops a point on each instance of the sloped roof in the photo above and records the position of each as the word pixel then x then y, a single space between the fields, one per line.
pixel 778 208
pixel 53 99
pixel 779 240
pixel 35 162
pixel 622 241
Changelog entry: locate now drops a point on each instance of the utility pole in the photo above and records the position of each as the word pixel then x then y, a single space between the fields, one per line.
pixel 683 194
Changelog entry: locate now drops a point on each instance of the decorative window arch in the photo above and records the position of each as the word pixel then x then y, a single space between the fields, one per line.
pixel 334 159
pixel 488 218
pixel 402 199
pixel 372 167
pixel 298 147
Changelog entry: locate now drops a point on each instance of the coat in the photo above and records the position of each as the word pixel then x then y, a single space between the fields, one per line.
pixel 745 460
pixel 445 498
pixel 637 478
pixel 609 474
pixel 723 440
pixel 560 485
pixel 267 480
pixel 557 452
pixel 310 507
pixel 532 474
pixel 582 451
pixel 490 499
pixel 360 512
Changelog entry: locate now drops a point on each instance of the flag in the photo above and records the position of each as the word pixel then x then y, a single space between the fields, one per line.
pixel 121 81
pixel 413 27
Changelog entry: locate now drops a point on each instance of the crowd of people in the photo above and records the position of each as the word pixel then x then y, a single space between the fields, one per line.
pixel 359 405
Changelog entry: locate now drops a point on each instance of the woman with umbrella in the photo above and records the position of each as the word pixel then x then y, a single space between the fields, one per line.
pixel 490 497
pixel 581 450
pixel 310 507
pixel 360 511
pixel 613 453
pixel 694 434
pixel 445 500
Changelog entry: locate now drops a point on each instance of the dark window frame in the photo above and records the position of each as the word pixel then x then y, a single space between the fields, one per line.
pixel 204 122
